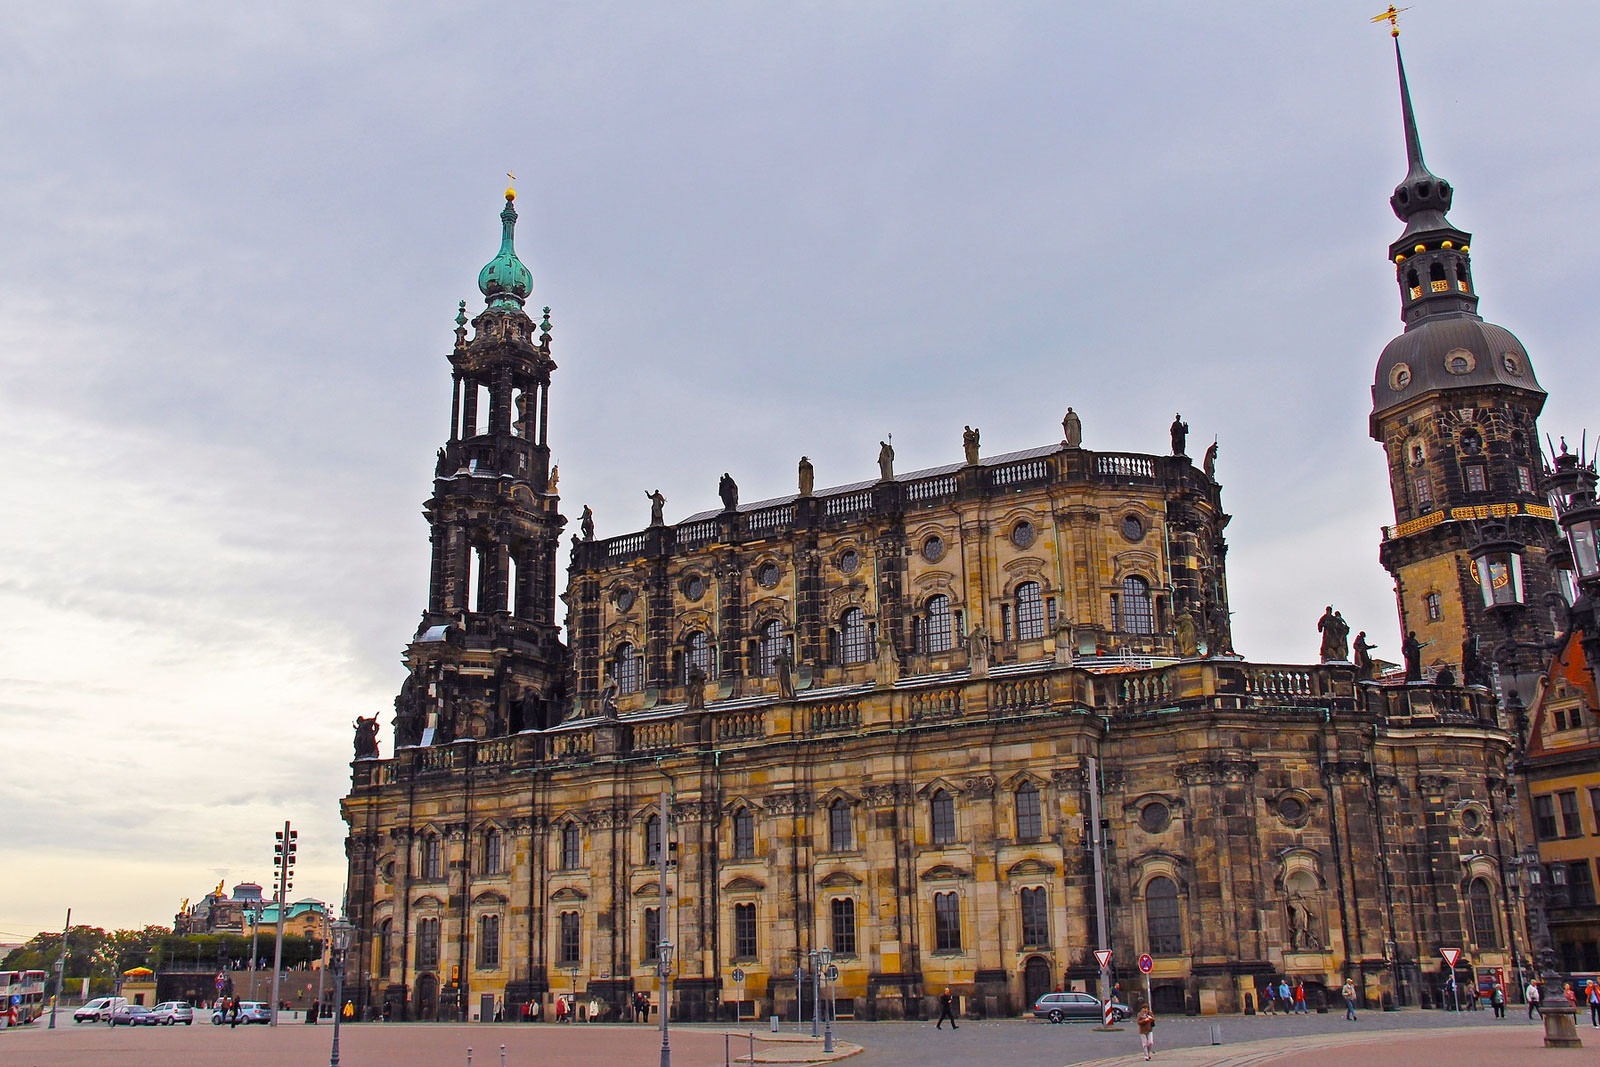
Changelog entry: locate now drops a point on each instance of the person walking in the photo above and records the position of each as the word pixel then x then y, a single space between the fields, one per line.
pixel 1283 995
pixel 1532 993
pixel 946 1003
pixel 1147 1030
pixel 1349 994
pixel 1300 998
pixel 1591 994
pixel 1269 1004
pixel 1497 1000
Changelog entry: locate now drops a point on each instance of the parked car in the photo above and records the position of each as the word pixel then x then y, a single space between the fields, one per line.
pixel 130 1015
pixel 250 1011
pixel 172 1011
pixel 97 1009
pixel 1076 1007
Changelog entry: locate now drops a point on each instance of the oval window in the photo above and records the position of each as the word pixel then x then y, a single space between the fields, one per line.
pixel 767 574
pixel 1023 534
pixel 1154 817
pixel 933 549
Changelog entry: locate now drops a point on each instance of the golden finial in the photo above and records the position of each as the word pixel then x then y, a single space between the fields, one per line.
pixel 1392 17
pixel 511 193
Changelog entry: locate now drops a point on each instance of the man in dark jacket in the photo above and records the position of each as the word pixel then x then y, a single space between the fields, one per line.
pixel 946 1010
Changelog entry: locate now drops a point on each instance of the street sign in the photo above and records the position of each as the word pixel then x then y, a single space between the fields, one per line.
pixel 1103 956
pixel 1450 956
pixel 1146 964
pixel 832 973
pixel 738 974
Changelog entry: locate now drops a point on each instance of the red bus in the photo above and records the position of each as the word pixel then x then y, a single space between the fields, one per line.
pixel 22 992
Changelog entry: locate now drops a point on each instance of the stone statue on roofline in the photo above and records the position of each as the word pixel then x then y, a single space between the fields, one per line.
pixel 728 489
pixel 807 476
pixel 1072 429
pixel 366 737
pixel 1180 435
pixel 658 504
pixel 885 461
pixel 969 445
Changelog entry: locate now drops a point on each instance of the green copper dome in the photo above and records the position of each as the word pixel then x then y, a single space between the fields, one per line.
pixel 504 280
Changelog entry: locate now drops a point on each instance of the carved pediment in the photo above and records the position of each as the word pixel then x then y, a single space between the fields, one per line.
pixel 743 884
pixel 840 880
pixel 568 894
pixel 1030 868
pixel 649 889
pixel 944 872
pixel 427 900
pixel 489 897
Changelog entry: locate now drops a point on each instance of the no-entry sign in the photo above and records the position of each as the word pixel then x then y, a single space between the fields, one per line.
pixel 1146 964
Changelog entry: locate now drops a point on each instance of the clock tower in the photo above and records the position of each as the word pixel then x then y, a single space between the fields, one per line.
pixel 1455 405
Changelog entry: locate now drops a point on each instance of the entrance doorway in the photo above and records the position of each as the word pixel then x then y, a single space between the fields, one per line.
pixel 427 997
pixel 1036 981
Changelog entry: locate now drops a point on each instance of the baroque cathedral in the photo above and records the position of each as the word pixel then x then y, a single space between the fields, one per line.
pixel 960 726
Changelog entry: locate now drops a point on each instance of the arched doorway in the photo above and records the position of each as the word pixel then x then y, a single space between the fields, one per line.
pixel 1036 981
pixel 428 997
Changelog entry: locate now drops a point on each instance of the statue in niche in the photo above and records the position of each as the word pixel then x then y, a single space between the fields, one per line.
pixel 407 719
pixel 783 667
pixel 658 505
pixel 728 489
pixel 888 659
pixel 885 461
pixel 1188 637
pixel 555 480
pixel 1072 429
pixel 695 697
pixel 978 646
pixel 520 426
pixel 807 476
pixel 586 523
pixel 1066 642
pixel 1303 933
pixel 366 737
pixel 969 445
pixel 1180 435
pixel 1364 668
pixel 609 691
pixel 1209 464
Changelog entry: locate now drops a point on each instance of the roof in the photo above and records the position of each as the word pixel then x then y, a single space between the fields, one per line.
pixel 1449 352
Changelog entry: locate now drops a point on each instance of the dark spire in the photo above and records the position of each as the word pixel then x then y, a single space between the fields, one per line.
pixel 1421 200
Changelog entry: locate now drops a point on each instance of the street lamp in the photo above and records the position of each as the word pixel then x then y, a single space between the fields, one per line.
pixel 816 989
pixel 824 961
pixel 342 932
pixel 664 991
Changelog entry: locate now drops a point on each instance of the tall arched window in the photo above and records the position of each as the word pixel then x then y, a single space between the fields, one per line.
pixel 385 947
pixel 1138 609
pixel 840 839
pixel 488 942
pixel 432 866
pixel 744 834
pixel 628 669
pixel 1035 917
pixel 933 629
pixel 1162 920
pixel 652 839
pixel 697 653
pixel 1030 612
pixel 571 846
pixel 943 815
pixel 492 858
pixel 1029 817
pixel 855 645
pixel 427 944
pixel 1480 898
pixel 770 643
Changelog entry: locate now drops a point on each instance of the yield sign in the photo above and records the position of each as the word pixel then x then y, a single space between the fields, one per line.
pixel 1103 956
pixel 1450 956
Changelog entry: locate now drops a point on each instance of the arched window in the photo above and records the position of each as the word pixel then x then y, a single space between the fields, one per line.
pixel 571 938
pixel 1030 822
pixel 1162 921
pixel 933 629
pixel 431 865
pixel 385 947
pixel 1138 610
pixel 571 846
pixel 1035 917
pixel 491 852
pixel 427 944
pixel 943 814
pixel 1480 898
pixel 652 839
pixel 488 942
pixel 652 935
pixel 946 923
pixel 1030 612
pixel 628 669
pixel 744 834
pixel 768 645
pixel 855 645
pixel 840 838
pixel 697 653
pixel 843 911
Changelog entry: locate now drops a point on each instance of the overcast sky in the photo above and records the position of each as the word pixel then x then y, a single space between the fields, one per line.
pixel 234 238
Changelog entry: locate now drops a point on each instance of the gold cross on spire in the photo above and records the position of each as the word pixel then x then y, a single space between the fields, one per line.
pixel 511 189
pixel 1392 17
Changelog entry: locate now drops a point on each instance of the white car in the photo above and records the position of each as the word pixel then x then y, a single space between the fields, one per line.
pixel 98 1009
pixel 173 1011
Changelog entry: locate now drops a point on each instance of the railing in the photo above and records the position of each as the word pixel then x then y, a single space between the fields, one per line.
pixel 625 547
pixel 848 504
pixel 436 758
pixel 835 715
pixel 1020 694
pixel 493 753
pixel 572 744
pixel 929 490
pixel 653 736
pixel 768 520
pixel 739 725
pixel 1029 470
pixel 1280 681
pixel 1124 465
pixel 935 703
pixel 1143 690
pixel 695 534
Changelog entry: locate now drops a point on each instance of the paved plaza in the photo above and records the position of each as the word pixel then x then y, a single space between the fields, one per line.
pixel 1399 1039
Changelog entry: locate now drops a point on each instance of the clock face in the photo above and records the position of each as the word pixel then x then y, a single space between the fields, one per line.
pixel 1499 575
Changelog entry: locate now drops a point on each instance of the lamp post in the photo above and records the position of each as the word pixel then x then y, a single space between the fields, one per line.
pixel 816 987
pixel 824 961
pixel 341 934
pixel 664 991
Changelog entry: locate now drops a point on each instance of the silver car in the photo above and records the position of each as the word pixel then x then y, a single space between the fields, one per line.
pixel 172 1011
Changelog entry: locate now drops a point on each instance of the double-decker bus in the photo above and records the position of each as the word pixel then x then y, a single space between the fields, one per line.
pixel 23 993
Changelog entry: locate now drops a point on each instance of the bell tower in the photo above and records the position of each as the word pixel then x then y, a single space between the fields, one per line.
pixel 487 658
pixel 1455 405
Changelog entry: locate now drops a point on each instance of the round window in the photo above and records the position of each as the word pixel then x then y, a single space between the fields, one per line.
pixel 1459 361
pixel 1400 377
pixel 933 549
pixel 1472 820
pixel 623 598
pixel 694 587
pixel 849 560
pixel 767 574
pixel 1292 809
pixel 1132 527
pixel 1512 364
pixel 1154 817
pixel 1023 534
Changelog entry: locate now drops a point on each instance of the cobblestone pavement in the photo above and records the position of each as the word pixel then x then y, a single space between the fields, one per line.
pixel 1399 1038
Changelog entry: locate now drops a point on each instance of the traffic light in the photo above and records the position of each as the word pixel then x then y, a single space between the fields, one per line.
pixel 283 856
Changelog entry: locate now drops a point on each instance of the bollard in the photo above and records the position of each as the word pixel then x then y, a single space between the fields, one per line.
pixel 469 1057
pixel 752 1048
pixel 727 1050
pixel 502 1056
pixel 1216 1033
